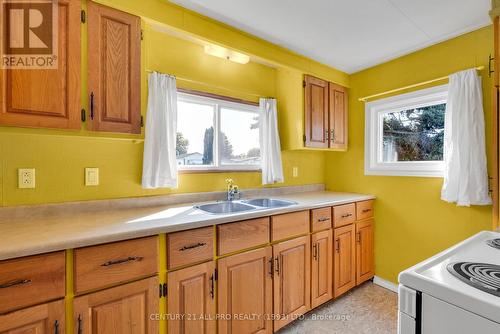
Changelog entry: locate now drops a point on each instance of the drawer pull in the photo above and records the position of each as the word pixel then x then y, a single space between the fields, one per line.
pixel 366 210
pixel 120 261
pixel 14 283
pixel 347 215
pixel 199 244
pixel 323 219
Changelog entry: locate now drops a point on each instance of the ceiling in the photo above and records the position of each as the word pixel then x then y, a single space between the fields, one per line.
pixel 349 35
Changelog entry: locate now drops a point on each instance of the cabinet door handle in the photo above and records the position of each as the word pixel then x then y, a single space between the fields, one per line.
pixel 326 134
pixel 271 269
pixel 56 327
pixel 277 267
pixel 347 215
pixel 315 251
pixel 199 244
pixel 91 105
pixel 212 286
pixel 14 283
pixel 79 328
pixel 366 210
pixel 120 261
pixel 323 219
pixel 332 135
pixel 337 245
pixel 358 237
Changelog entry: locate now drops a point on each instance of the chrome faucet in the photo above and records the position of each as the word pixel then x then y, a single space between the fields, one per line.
pixel 232 190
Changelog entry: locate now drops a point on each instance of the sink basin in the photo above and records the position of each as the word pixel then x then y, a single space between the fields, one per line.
pixel 225 207
pixel 269 202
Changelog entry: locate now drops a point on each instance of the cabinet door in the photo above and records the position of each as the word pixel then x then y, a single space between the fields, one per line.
pixel 114 86
pixel 344 261
pixel 292 267
pixel 321 267
pixel 316 112
pixel 191 298
pixel 338 116
pixel 245 287
pixel 122 309
pixel 365 268
pixel 42 319
pixel 47 98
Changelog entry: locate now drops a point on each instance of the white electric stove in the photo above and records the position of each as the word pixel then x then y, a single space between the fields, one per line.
pixel 456 291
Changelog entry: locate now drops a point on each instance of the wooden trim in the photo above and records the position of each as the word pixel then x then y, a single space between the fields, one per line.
pixel 216 96
pixel 495 125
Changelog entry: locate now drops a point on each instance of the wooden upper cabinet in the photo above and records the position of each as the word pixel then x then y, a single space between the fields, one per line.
pixel 292 274
pixel 325 114
pixel 338 116
pixel 47 98
pixel 344 259
pixel 123 309
pixel 191 297
pixel 114 87
pixel 316 112
pixel 365 268
pixel 245 286
pixel 321 267
pixel 41 319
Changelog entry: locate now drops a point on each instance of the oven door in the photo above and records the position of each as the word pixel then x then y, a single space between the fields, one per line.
pixel 439 317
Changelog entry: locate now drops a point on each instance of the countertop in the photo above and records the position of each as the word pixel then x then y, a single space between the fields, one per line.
pixel 22 236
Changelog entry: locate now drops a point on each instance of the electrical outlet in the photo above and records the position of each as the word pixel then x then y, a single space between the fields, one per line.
pixel 91 176
pixel 295 171
pixel 26 178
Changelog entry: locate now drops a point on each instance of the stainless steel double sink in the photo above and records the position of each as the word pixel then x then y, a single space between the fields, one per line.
pixel 227 207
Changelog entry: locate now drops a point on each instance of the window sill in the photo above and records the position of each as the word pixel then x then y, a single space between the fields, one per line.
pixel 219 170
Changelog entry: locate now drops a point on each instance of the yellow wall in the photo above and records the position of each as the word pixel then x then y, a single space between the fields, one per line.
pixel 61 156
pixel 412 223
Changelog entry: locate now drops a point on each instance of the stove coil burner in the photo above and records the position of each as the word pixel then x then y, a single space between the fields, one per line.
pixel 482 276
pixel 495 243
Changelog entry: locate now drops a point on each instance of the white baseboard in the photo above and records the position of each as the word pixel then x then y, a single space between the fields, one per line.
pixel 385 284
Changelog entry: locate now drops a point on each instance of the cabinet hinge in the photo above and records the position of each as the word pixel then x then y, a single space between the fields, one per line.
pixel 82 16
pixel 142 121
pixel 163 290
pixel 83 115
pixel 142 34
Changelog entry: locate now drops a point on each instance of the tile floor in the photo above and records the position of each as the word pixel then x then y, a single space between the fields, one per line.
pixel 368 309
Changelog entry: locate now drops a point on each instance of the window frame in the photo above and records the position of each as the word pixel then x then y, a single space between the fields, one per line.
pixel 374 133
pixel 218 103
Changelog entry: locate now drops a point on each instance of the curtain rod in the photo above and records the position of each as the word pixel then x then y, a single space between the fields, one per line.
pixel 209 85
pixel 364 99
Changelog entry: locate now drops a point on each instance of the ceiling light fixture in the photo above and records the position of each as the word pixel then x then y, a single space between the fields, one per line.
pixel 221 52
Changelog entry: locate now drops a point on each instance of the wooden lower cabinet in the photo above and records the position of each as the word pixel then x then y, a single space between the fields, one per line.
pixel 123 309
pixel 344 260
pixel 245 292
pixel 292 269
pixel 191 300
pixel 47 318
pixel 365 268
pixel 321 267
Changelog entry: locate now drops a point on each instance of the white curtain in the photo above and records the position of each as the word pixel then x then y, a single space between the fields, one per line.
pixel 159 168
pixel 272 169
pixel 465 175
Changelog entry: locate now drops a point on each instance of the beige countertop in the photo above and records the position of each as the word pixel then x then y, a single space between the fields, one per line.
pixel 29 234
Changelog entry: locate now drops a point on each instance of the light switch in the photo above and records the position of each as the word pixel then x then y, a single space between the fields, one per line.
pixel 295 171
pixel 92 176
pixel 26 177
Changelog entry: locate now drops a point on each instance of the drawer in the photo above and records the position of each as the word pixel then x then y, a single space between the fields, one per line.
pixel 364 210
pixel 104 265
pixel 190 246
pixel 32 280
pixel 321 219
pixel 344 214
pixel 235 236
pixel 289 225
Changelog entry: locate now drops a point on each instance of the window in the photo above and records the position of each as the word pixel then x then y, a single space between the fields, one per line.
pixel 216 134
pixel 404 134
